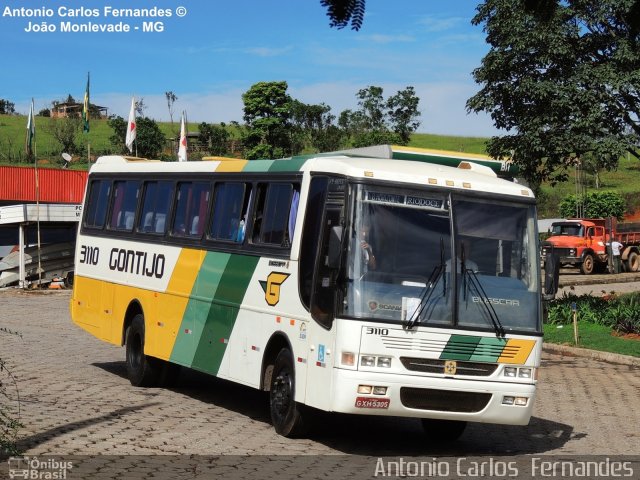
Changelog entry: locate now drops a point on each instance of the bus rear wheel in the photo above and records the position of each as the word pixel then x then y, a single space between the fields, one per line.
pixel 443 430
pixel 285 412
pixel 142 370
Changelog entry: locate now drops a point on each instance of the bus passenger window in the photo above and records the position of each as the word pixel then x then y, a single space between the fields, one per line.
pixel 275 216
pixel 97 203
pixel 231 200
pixel 191 209
pixel 157 200
pixel 124 204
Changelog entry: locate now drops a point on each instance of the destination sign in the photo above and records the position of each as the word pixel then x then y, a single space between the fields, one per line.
pixel 405 200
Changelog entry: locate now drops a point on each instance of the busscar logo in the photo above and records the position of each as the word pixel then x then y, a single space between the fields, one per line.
pixel 271 287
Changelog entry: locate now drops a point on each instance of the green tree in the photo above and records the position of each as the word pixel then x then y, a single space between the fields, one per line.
pixel 562 79
pixel 343 12
pixel 596 205
pixel 215 137
pixel 267 114
pixel 149 139
pixel 65 131
pixel 379 121
pixel 7 107
pixel 313 126
pixel 402 110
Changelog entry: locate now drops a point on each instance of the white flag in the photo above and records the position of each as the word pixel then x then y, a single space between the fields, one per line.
pixel 131 126
pixel 182 149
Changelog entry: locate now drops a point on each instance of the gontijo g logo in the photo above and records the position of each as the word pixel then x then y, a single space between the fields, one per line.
pixel 271 287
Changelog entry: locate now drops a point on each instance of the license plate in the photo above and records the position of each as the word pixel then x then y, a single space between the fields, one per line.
pixel 368 402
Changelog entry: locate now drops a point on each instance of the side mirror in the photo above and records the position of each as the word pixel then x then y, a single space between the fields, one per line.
pixel 551 273
pixel 335 242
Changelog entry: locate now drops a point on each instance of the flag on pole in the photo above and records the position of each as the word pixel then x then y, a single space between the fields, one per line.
pixel 31 131
pixel 182 149
pixel 85 108
pixel 131 126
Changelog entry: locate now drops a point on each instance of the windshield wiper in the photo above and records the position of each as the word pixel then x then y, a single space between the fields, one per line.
pixel 436 274
pixel 484 299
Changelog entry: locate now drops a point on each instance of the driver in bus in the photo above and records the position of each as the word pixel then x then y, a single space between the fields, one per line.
pixel 368 258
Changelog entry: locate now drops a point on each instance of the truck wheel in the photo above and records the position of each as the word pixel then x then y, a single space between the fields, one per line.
pixel 588 264
pixel 285 412
pixel 142 370
pixel 633 262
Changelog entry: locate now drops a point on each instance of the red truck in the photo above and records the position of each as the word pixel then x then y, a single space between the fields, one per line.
pixel 582 242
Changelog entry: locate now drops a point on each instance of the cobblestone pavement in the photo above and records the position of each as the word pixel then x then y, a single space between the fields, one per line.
pixel 75 400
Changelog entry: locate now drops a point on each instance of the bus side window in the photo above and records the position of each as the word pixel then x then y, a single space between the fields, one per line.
pixel 155 207
pixel 191 209
pixel 124 203
pixel 98 201
pixel 229 211
pixel 273 222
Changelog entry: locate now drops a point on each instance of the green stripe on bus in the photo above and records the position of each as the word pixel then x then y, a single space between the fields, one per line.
pixel 488 349
pixel 459 347
pixel 474 349
pixel 202 293
pixel 258 166
pixel 222 315
pixel 289 165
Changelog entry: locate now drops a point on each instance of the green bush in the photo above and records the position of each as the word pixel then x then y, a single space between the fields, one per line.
pixel 621 314
pixel 596 205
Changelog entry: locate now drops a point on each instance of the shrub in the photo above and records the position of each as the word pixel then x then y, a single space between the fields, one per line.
pixel 622 313
pixel 9 416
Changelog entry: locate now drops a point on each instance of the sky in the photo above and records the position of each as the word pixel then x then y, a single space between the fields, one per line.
pixel 211 51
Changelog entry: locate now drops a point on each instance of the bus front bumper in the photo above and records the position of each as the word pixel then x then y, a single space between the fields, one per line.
pixel 433 397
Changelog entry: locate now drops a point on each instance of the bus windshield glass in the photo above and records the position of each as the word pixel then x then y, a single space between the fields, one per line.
pixel 400 261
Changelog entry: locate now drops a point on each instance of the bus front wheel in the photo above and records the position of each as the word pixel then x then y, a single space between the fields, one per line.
pixel 142 370
pixel 443 430
pixel 285 412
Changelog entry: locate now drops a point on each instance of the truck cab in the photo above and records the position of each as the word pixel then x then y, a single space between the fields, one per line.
pixel 580 243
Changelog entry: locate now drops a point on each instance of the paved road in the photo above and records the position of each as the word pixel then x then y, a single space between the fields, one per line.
pixel 75 399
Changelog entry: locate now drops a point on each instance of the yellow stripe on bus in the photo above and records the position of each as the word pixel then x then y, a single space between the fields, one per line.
pixel 516 351
pixel 231 166
pixel 173 303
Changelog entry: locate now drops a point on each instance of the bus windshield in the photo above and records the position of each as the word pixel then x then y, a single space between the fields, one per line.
pixel 400 265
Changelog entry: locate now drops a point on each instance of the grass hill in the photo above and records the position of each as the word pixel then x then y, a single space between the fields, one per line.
pixel 625 180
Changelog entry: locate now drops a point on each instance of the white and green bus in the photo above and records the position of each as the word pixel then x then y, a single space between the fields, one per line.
pixel 326 279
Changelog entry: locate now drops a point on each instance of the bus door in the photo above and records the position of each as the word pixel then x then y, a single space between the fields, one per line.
pixel 321 355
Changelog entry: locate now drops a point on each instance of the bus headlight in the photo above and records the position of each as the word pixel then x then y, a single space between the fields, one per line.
pixel 510 372
pixel 365 389
pixel 379 390
pixel 384 362
pixel 368 361
pixel 524 372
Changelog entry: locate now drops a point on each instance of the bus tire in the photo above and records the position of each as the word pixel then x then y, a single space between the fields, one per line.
pixel 633 262
pixel 285 412
pixel 588 264
pixel 142 370
pixel 443 430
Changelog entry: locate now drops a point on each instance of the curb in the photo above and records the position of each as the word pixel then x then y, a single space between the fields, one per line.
pixel 592 354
